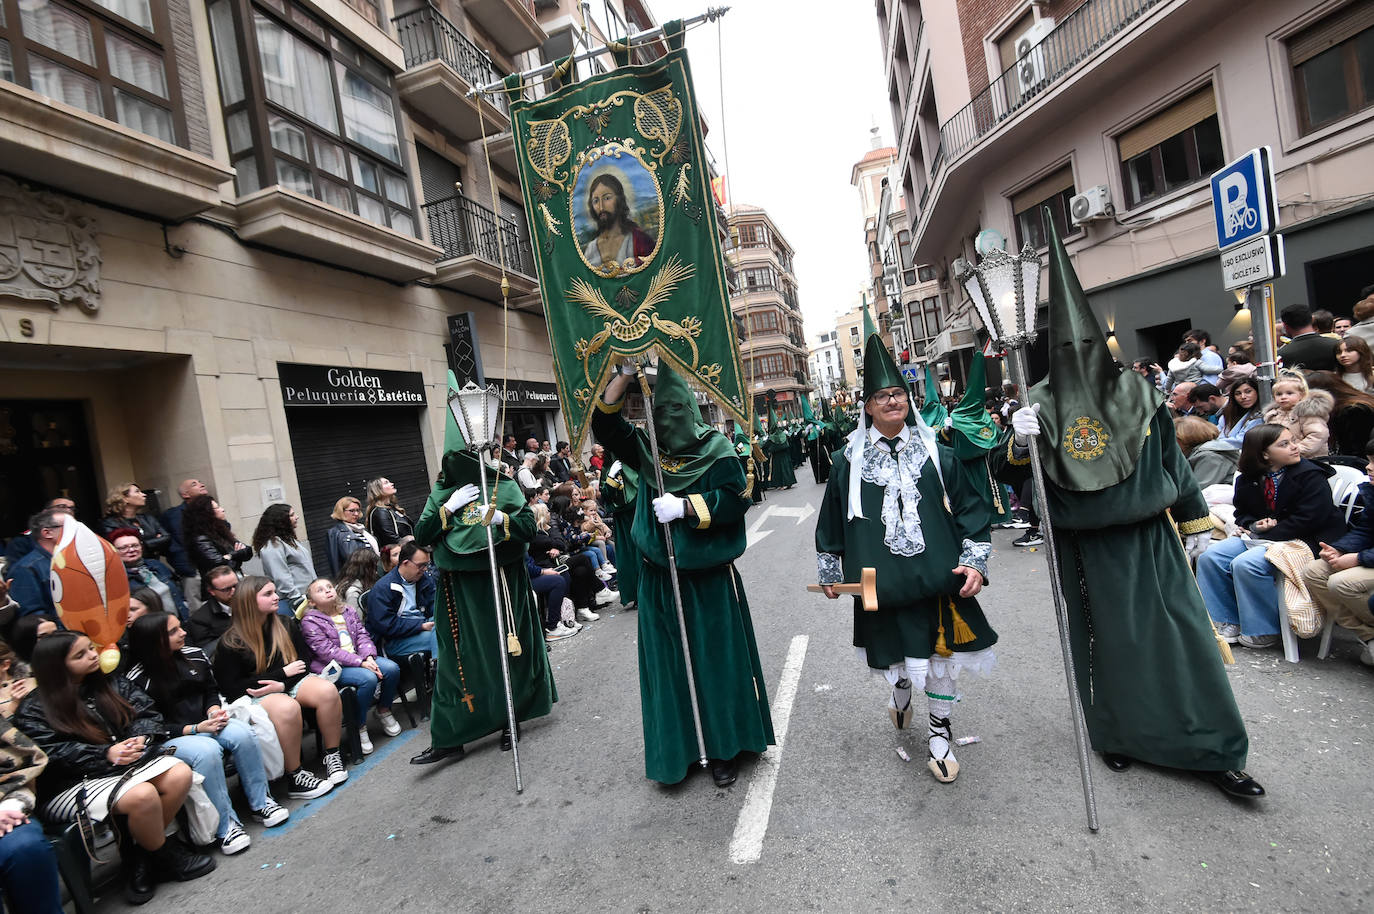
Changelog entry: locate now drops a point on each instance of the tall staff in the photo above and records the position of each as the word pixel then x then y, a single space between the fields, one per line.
pixel 648 395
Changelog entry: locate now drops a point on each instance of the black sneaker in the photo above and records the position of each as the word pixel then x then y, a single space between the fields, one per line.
pixel 1031 537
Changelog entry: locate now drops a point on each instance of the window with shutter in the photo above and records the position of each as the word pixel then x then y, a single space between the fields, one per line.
pixel 1333 66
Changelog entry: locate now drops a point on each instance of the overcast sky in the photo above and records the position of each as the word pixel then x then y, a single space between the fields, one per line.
pixel 803 87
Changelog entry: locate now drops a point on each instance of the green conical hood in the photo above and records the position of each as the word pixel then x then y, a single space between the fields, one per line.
pixel 1094 417
pixel 970 418
pixel 880 370
pixel 807 414
pixel 933 412
pixel 772 420
pixel 869 327
pixel 758 426
pixel 687 445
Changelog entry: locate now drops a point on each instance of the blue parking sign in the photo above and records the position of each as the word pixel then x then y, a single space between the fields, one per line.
pixel 1243 199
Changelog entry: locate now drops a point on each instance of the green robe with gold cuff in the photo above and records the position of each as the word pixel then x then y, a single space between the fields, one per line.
pixel 469 696
pixel 729 679
pixel 1145 658
pixel 916 591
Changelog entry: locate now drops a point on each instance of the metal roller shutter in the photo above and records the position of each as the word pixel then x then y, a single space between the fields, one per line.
pixel 338 449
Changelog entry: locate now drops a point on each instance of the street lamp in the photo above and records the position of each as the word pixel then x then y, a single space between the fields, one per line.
pixel 1005 289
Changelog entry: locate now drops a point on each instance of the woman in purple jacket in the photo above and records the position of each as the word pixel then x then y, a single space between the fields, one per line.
pixel 334 631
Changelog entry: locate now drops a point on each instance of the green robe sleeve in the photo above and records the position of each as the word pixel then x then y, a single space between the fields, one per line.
pixel 615 434
pixel 969 510
pixel 726 502
pixel 428 529
pixel 830 523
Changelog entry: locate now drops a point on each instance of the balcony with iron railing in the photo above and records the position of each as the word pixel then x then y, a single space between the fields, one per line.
pixel 442 66
pixel 475 241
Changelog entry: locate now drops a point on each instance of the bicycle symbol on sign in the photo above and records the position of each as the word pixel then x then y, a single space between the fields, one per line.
pixel 1237 212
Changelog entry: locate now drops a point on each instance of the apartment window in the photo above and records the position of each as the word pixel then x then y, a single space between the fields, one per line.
pixel 758 278
pixel 909 271
pixel 764 322
pixel 753 235
pixel 107 57
pixel 317 115
pixel 768 366
pixel 1333 66
pixel 925 274
pixel 1177 147
pixel 1054 192
pixel 930 308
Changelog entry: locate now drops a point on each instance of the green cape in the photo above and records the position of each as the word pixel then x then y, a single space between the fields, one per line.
pixel 457 468
pixel 970 418
pixel 933 412
pixel 687 445
pixel 775 433
pixel 1095 417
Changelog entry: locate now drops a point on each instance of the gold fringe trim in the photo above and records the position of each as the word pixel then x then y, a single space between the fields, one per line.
pixel 1198 525
pixel 1011 455
pixel 703 513
pixel 962 633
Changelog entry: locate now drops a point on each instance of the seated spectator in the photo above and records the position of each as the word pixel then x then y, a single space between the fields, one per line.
pixel 285 559
pixel 386 519
pixel 209 623
pixel 210 542
pixel 28 866
pixel 1238 365
pixel 560 465
pixel 1341 578
pixel 141 602
pixel 1352 416
pixel 1357 363
pixel 15 680
pixel 1184 365
pixel 526 476
pixel 1302 412
pixel 30 577
pixel 348 534
pixel 360 573
pixel 26 633
pixel 594 525
pixel 400 608
pixel 1206 401
pixel 335 631
pixel 1212 461
pixel 263 656
pixel 124 509
pixel 550 548
pixel 1279 496
pixel 1241 413
pixel 391 557
pixel 179 679
pixel 146 572
pixel 598 459
pixel 21 544
pixel 551 586
pixel 97 732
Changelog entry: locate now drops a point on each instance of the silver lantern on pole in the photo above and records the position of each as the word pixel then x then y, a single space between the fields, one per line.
pixel 1006 289
pixel 475 409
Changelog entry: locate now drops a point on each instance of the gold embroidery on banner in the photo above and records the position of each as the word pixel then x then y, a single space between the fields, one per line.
pixel 548 148
pixel 1086 439
pixel 658 116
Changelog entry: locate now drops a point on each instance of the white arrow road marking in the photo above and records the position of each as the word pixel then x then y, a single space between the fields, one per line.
pixel 756 535
pixel 800 514
pixel 752 824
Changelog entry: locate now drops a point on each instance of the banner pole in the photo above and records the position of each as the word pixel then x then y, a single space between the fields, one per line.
pixel 712 13
pixel 672 570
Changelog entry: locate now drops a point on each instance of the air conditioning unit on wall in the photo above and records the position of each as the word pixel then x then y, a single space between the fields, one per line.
pixel 1030 57
pixel 1093 203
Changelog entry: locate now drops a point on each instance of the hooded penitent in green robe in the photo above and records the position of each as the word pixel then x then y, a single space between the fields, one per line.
pixel 469 696
pixel 781 473
pixel 618 492
pixel 729 679
pixel 751 459
pixel 974 436
pixel 820 443
pixel 1147 665
pixel 933 412
pixel 760 442
pixel 914 552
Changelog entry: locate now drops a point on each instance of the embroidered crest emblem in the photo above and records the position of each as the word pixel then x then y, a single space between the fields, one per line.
pixel 1086 439
pixel 471 515
pixel 986 432
pixel 671 464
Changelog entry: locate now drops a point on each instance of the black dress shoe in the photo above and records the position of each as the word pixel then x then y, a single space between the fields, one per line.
pixel 723 771
pixel 1116 761
pixel 433 754
pixel 505 738
pixel 1234 784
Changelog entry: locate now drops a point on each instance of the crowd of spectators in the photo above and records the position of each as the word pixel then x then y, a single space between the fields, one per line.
pixel 219 672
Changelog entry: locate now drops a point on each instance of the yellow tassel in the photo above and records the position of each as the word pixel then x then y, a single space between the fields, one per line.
pixel 940 647
pixel 1226 656
pixel 962 633
pixel 513 644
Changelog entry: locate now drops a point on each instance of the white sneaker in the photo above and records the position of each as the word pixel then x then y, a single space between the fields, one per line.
pixel 608 567
pixel 365 740
pixel 1367 653
pixel 390 725
pixel 559 632
pixel 1229 631
pixel 586 615
pixel 235 840
pixel 602 574
pixel 305 786
pixel 607 596
pixel 334 768
pixel 272 814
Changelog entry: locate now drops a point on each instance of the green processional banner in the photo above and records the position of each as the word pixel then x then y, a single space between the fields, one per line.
pixel 625 234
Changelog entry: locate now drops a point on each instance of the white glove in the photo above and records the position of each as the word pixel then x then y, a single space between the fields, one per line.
pixel 461 498
pixel 669 508
pixel 497 517
pixel 614 469
pixel 1026 421
pixel 949 422
pixel 629 368
pixel 1196 543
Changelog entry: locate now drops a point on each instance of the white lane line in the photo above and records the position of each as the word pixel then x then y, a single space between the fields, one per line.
pixel 747 844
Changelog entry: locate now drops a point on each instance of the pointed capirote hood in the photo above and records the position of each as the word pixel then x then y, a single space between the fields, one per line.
pixel 933 412
pixel 970 418
pixel 1094 416
pixel 880 371
pixel 688 446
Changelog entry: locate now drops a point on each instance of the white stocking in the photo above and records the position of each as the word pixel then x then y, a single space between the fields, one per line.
pixel 940 694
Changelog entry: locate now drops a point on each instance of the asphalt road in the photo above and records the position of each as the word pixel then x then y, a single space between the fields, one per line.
pixel 851 826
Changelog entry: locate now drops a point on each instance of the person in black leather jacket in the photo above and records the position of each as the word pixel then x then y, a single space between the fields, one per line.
pixel 551 548
pixel 124 508
pixel 100 735
pixel 209 540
